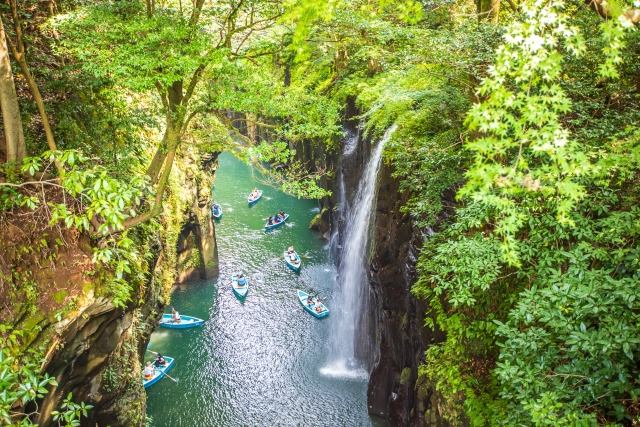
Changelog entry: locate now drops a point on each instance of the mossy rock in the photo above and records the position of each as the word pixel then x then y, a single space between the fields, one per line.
pixel 321 221
pixel 405 375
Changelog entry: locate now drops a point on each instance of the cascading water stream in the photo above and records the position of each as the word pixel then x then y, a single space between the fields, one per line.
pixel 350 145
pixel 352 299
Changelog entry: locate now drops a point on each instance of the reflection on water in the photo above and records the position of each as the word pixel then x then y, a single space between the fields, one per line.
pixel 257 362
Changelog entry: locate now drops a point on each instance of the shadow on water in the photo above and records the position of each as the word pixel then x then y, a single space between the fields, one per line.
pixel 255 363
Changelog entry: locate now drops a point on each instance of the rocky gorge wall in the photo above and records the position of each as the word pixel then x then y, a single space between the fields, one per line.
pixel 395 391
pixel 94 349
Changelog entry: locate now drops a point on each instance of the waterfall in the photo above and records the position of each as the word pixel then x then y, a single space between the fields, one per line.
pixel 351 312
pixel 350 146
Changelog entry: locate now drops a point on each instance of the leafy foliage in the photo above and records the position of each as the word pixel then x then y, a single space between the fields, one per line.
pixel 22 384
pixel 536 298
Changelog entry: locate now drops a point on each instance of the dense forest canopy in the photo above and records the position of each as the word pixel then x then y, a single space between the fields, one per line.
pixel 517 145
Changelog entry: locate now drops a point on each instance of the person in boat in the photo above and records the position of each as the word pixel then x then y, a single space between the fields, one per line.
pixel 148 371
pixel 160 361
pixel 254 193
pixel 319 308
pixel 175 316
pixel 241 279
pixel 270 222
pixel 281 214
pixel 310 301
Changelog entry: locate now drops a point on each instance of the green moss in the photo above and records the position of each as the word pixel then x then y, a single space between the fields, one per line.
pixel 59 296
pixel 405 375
pixel 87 288
pixel 316 221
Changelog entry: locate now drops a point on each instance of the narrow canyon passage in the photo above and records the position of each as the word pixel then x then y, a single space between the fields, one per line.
pixel 257 362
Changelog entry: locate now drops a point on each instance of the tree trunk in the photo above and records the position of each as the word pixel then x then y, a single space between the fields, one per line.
pixel 37 96
pixel 494 13
pixel 158 160
pixel 11 120
pixel 488 10
pixel 172 142
pixel 252 128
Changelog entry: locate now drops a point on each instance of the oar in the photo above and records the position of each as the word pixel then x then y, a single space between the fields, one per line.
pixel 171 378
pixel 167 375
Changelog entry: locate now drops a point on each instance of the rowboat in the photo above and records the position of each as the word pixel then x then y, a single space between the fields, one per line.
pixel 268 227
pixel 184 323
pixel 240 289
pixel 293 264
pixel 159 373
pixel 252 200
pixel 318 310
pixel 216 211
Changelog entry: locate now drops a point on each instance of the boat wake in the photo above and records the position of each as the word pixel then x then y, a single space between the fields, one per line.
pixel 344 370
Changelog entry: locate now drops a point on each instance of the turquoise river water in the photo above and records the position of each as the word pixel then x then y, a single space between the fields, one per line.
pixel 257 362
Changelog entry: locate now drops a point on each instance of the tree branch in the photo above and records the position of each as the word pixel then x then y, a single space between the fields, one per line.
pixel 197 74
pixel 195 13
pixel 162 94
pixel 602 8
pixel 19 53
pixel 157 204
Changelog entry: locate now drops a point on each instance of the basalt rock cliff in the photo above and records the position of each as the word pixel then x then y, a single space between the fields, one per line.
pixel 396 393
pixel 94 349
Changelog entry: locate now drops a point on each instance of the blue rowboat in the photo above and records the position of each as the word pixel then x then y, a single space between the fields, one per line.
pixel 268 227
pixel 159 373
pixel 318 310
pixel 216 211
pixel 252 200
pixel 184 323
pixel 240 289
pixel 294 264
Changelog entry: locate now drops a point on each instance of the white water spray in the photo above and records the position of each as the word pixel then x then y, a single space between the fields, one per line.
pixel 351 309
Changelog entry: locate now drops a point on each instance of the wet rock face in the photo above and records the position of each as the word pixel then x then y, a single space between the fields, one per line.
pixel 88 345
pixel 197 252
pixel 402 338
pixel 395 392
pixel 321 223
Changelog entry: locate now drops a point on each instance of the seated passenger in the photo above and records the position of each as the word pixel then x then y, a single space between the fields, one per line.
pixel 160 361
pixel 149 371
